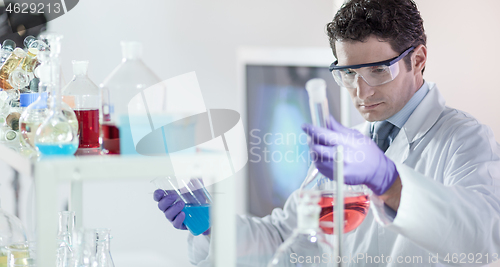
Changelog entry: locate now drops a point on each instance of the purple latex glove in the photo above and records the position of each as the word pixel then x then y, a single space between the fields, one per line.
pixel 364 162
pixel 172 208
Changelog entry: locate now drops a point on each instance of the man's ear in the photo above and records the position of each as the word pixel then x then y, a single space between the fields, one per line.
pixel 418 59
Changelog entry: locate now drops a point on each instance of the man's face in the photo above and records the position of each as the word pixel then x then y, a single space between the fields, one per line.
pixel 376 103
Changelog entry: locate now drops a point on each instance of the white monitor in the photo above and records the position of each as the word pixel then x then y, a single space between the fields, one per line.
pixel 272 82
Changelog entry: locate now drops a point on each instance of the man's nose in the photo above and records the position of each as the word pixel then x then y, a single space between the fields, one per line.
pixel 364 90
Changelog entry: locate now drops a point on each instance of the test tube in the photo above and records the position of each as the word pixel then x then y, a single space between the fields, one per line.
pixel 318 104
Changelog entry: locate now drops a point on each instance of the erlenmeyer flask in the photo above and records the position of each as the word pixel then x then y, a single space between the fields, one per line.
pixel 64 238
pixel 82 95
pixel 308 245
pixel 127 80
pixel 56 135
pixel 103 254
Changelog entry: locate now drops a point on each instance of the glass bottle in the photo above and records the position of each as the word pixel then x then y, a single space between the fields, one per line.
pixel 10 65
pixel 83 96
pixel 44 58
pixel 103 254
pixel 127 80
pixel 308 245
pixel 64 238
pixel 7 47
pixel 11 232
pixel 56 136
pixel 33 46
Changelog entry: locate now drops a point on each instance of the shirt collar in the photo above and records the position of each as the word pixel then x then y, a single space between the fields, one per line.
pixel 399 119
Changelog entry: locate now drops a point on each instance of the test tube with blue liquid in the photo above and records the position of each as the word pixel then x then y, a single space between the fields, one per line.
pixel 196 198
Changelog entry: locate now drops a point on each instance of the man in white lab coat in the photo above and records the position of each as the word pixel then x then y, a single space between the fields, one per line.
pixel 436 194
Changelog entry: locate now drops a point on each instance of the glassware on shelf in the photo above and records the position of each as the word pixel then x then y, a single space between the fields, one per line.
pixel 7 47
pixel 103 254
pixel 56 135
pixel 196 198
pixel 9 66
pixel 64 238
pixel 83 96
pixel 127 80
pixel 33 116
pixel 11 232
pixel 308 245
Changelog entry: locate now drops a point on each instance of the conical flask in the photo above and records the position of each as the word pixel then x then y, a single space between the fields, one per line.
pixel 308 245
pixel 103 253
pixel 64 238
pixel 56 135
pixel 130 78
pixel 83 96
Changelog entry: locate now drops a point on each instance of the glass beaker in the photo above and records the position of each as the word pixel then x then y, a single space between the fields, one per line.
pixel 127 80
pixel 11 232
pixel 196 198
pixel 83 96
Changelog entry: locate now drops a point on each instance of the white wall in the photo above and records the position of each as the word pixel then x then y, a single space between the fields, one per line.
pixel 463 38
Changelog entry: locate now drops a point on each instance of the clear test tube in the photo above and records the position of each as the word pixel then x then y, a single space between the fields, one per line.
pixel 318 104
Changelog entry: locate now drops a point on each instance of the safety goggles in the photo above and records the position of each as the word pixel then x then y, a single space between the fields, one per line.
pixel 373 74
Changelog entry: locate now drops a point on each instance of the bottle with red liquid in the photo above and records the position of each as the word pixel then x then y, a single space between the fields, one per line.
pixel 83 96
pixel 127 80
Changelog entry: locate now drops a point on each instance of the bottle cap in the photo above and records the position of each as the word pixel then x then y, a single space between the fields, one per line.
pixel 80 67
pixel 27 99
pixel 131 50
pixel 316 89
pixel 34 85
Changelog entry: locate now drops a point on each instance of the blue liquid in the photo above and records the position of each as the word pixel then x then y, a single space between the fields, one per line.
pixel 57 149
pixel 197 218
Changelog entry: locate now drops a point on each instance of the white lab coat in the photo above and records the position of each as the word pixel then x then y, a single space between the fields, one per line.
pixel 449 166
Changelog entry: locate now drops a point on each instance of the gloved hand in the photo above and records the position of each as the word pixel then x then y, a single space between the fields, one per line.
pixel 172 208
pixel 364 162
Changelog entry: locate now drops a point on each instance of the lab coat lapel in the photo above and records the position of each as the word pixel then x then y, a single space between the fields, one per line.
pixel 419 123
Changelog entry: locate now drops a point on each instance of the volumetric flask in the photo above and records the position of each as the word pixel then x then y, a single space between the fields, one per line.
pixel 196 197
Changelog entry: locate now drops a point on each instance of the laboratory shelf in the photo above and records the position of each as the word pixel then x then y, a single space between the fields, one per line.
pixel 49 173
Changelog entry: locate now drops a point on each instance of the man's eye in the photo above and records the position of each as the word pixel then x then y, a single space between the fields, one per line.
pixel 349 72
pixel 378 69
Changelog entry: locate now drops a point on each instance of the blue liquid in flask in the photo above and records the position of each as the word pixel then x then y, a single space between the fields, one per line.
pixel 197 218
pixel 57 149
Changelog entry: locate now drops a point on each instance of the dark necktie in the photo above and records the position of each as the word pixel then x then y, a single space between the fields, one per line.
pixel 380 134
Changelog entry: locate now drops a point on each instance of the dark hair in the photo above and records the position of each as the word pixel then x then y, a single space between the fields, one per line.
pixel 395 21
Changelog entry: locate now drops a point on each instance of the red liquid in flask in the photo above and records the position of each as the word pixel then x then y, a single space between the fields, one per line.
pixel 110 138
pixel 88 128
pixel 355 210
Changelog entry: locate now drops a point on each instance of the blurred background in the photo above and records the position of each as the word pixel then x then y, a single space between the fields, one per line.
pixel 204 36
